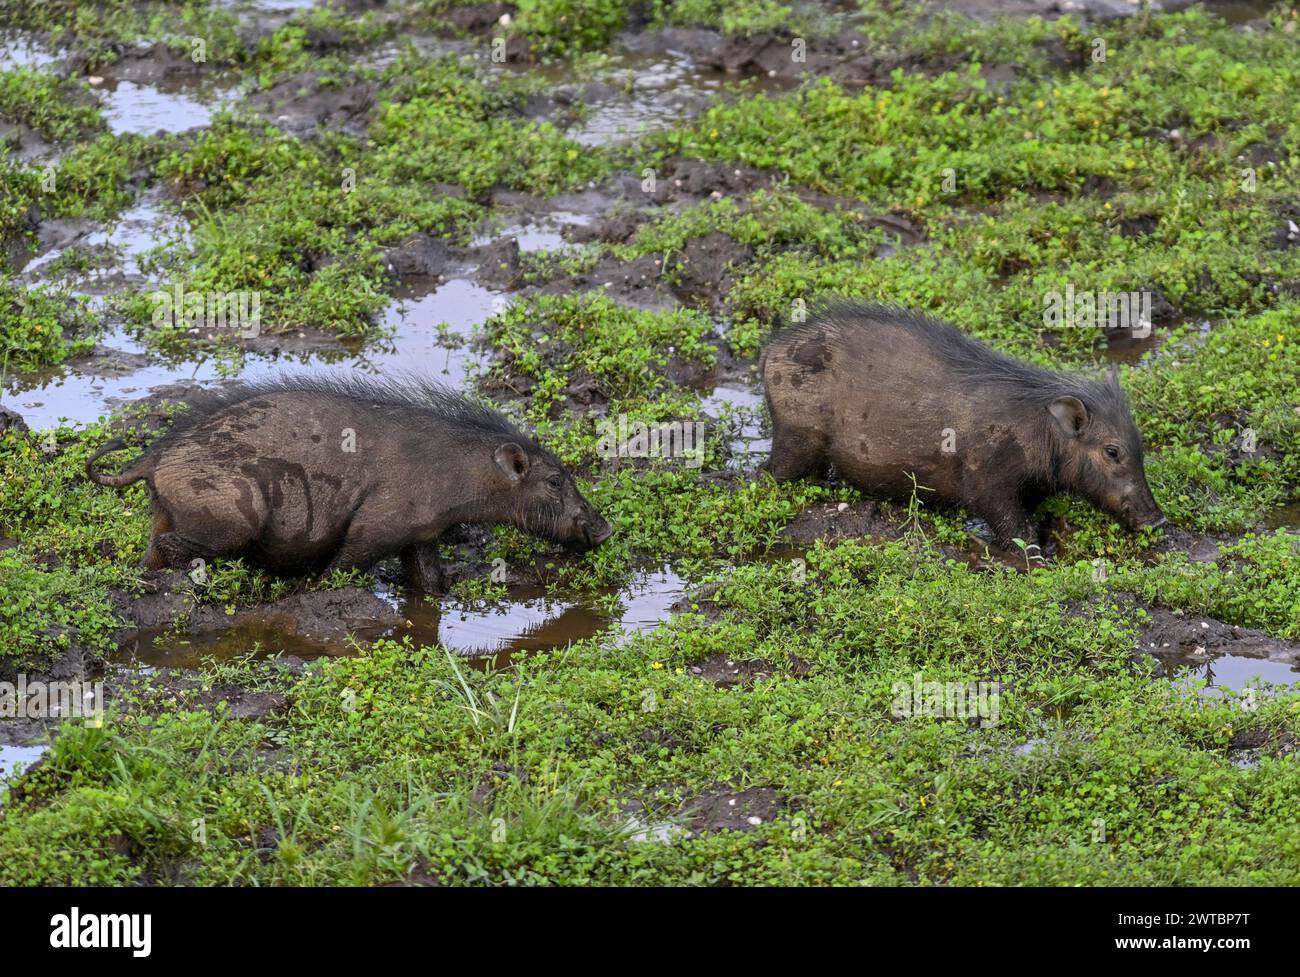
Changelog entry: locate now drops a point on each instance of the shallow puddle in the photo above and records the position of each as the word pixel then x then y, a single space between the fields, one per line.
pixel 541 232
pixel 1284 517
pixel 143 227
pixel 633 94
pixel 1234 672
pixel 142 109
pixel 646 94
pixel 460 306
pixel 277 6
pixel 17 758
pixel 81 392
pixel 1127 345
pixel 1239 11
pixel 18 49
pixel 744 405
pixel 530 620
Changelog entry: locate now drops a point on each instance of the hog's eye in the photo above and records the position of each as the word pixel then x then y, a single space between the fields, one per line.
pixel 555 481
pixel 1112 452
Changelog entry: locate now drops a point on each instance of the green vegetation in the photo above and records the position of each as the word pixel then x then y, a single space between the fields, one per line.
pixel 39 327
pixel 47 104
pixel 408 765
pixel 959 189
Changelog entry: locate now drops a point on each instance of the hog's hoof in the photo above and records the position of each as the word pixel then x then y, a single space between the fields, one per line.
pixel 424 588
pixel 423 570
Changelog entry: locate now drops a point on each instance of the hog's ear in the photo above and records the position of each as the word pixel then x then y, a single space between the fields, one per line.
pixel 512 459
pixel 1070 414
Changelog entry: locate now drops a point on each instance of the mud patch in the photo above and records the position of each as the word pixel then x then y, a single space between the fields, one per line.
pixel 1249 745
pixel 638 93
pixel 1197 547
pixel 727 672
pixel 728 810
pixel 705 269
pixel 1284 517
pixel 312 102
pixel 693 180
pixel 146 225
pixel 638 284
pixel 165 689
pixel 314 617
pixel 840 520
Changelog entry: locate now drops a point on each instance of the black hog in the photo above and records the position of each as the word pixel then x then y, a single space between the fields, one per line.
pixel 303 473
pixel 882 394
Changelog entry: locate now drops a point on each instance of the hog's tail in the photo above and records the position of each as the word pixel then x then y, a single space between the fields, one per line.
pixel 133 474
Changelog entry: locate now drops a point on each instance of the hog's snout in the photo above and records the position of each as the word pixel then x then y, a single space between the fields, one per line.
pixel 591 532
pixel 1144 517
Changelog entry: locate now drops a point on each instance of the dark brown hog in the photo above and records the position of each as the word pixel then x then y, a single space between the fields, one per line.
pixel 881 393
pixel 303 473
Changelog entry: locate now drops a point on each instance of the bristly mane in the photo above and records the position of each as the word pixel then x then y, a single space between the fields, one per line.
pixel 974 362
pixel 401 391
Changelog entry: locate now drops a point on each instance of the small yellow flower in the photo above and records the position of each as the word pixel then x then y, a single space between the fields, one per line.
pixel 1280 337
pixel 713 134
pixel 656 665
pixel 1106 206
pixel 1040 104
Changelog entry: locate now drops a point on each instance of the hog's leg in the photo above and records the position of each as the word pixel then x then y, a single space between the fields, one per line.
pixel 794 455
pixel 367 541
pixel 1011 521
pixel 423 565
pixel 154 559
pixel 1030 500
pixel 219 519
pixel 175 550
